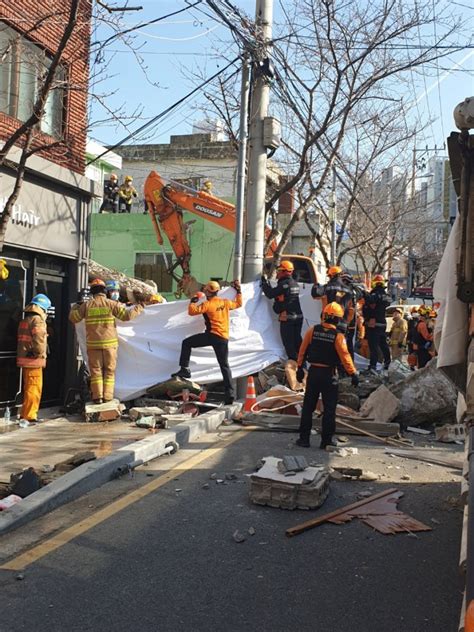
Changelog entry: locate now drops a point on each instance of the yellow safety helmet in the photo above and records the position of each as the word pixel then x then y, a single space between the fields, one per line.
pixel 285 266
pixel 333 310
pixel 128 179
pixel 212 286
pixel 334 271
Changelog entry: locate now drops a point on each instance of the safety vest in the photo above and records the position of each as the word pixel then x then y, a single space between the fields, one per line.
pixel 287 304
pixel 322 349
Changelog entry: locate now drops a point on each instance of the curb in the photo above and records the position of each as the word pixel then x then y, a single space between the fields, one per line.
pixel 93 474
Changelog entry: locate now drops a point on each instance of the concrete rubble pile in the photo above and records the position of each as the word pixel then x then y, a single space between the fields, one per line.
pixel 401 398
pixel 426 397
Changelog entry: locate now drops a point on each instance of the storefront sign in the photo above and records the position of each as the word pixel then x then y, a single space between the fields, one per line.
pixel 42 218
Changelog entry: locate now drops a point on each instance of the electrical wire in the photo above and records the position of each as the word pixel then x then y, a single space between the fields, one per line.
pixel 162 114
pixel 437 72
pixel 181 39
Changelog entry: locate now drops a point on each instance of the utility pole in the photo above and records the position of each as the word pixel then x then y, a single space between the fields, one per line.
pixel 257 174
pixel 241 179
pixel 333 219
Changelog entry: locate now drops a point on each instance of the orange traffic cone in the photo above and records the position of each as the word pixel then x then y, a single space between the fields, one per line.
pixel 251 396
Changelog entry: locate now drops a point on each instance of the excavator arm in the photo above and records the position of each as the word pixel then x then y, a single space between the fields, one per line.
pixel 166 202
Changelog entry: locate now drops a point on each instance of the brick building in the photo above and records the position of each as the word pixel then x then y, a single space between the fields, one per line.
pixel 45 247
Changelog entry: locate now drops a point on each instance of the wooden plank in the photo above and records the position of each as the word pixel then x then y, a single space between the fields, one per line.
pixel 366 433
pixel 315 522
pixel 418 455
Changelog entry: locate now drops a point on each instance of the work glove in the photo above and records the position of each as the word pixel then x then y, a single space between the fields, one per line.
pixel 400 345
pixel 300 374
pixel 236 285
pixel 263 281
pixel 195 299
pixel 428 344
pixel 355 380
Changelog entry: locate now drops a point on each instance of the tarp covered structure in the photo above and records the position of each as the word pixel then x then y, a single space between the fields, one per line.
pixel 149 346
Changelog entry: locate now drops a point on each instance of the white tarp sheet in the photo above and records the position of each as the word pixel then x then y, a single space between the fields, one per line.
pixel 451 325
pixel 150 345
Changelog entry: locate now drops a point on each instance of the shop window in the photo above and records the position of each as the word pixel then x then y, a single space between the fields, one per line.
pixel 22 68
pixel 152 266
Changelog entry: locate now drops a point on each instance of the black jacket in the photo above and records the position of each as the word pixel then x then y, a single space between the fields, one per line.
pixel 286 295
pixel 376 302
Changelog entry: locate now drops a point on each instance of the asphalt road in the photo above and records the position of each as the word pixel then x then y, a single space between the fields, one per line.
pixel 169 562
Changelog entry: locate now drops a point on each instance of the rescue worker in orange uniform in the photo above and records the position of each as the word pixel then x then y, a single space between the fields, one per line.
pixel 424 336
pixel 100 313
pixel 287 306
pixel 216 316
pixel 324 347
pixel 31 354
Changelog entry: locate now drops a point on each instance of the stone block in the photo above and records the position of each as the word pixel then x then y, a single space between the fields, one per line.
pixel 382 405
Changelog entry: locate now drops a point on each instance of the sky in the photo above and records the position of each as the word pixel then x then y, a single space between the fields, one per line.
pixel 192 43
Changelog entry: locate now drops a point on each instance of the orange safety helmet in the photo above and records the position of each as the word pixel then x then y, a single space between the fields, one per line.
pixel 378 280
pixel 212 286
pixel 433 314
pixel 414 310
pixel 97 283
pixel 285 266
pixel 334 271
pixel 333 310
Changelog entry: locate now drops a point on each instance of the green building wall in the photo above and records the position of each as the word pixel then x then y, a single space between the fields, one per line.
pixel 117 238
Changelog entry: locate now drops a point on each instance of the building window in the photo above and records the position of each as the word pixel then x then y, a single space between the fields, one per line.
pixel 22 68
pixel 152 266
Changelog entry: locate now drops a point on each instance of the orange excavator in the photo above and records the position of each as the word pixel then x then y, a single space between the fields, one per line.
pixel 166 202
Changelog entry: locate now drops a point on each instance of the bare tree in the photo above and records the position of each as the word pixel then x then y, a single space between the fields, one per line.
pixel 338 68
pixel 51 82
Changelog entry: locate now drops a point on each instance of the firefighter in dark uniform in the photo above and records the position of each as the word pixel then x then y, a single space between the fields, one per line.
pixel 324 347
pixel 339 290
pixel 375 304
pixel 287 306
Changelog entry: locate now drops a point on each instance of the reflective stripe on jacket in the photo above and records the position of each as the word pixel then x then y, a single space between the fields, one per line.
pixel 100 313
pixel 216 313
pixel 32 339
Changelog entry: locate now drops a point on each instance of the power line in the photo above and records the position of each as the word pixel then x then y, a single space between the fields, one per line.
pixel 162 114
pixel 140 26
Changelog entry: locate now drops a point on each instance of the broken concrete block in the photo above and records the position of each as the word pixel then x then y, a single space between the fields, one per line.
pixel 108 411
pixel 304 490
pixel 146 422
pixel 426 396
pixel 349 399
pixel 382 405
pixel 137 412
pixel 450 433
pixel 398 371
pixel 292 464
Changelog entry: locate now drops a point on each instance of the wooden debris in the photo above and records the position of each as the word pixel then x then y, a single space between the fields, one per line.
pixel 372 435
pixel 428 457
pixel 378 511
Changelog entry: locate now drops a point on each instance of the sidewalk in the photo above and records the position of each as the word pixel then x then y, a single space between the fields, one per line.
pixel 56 440
pixel 118 445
